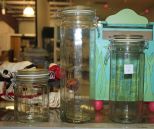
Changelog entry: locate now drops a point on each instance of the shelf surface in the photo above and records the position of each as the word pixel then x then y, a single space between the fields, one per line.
pixel 7 122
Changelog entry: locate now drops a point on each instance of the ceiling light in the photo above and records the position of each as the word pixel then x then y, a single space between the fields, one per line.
pixel 3 11
pixel 28 12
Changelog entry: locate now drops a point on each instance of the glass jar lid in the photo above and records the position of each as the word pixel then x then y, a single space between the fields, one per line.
pixel 78 15
pixel 78 10
pixel 32 74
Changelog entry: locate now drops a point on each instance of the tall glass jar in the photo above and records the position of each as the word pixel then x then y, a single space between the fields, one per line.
pixel 126 78
pixel 32 95
pixel 77 36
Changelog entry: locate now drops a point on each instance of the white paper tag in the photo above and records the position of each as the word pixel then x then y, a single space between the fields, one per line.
pixel 128 69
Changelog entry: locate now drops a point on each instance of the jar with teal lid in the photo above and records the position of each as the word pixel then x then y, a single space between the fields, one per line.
pixel 32 95
pixel 127 78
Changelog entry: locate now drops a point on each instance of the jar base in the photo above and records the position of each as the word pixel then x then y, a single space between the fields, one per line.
pixel 76 120
pixel 33 120
pixel 30 118
pixel 124 120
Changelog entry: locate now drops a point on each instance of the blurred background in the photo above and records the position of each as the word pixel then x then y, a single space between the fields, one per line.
pixel 104 8
pixel 28 24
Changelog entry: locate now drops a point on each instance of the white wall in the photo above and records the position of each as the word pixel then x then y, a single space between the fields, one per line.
pixel 27 27
pixel 5 32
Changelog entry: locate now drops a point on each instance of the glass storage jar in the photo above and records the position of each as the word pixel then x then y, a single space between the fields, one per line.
pixel 6 94
pixel 32 95
pixel 77 36
pixel 127 78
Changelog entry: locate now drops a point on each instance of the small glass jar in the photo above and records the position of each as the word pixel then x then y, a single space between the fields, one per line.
pixel 32 95
pixel 127 78
pixel 77 36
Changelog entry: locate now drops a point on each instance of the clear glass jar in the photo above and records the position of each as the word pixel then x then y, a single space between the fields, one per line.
pixel 6 95
pixel 32 95
pixel 127 78
pixel 77 36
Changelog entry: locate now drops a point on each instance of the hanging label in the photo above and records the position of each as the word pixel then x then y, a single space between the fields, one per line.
pixel 128 69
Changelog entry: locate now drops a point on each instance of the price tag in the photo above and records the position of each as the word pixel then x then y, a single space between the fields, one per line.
pixel 128 69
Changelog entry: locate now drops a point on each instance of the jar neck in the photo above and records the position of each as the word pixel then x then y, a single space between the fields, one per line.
pixel 78 15
pixel 79 20
pixel 137 47
pixel 128 43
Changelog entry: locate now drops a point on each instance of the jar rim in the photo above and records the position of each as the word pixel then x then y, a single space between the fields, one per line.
pixel 78 10
pixel 32 73
pixel 128 38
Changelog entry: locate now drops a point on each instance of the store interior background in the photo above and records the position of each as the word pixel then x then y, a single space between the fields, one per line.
pixel 37 38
